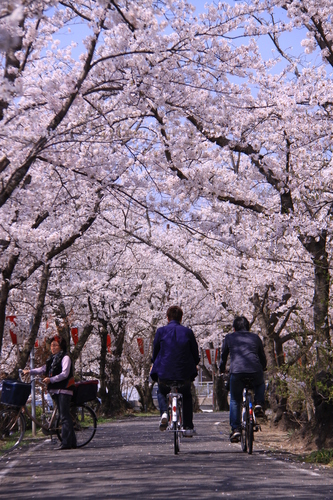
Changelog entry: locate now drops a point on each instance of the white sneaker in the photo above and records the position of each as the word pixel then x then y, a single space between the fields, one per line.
pixel 164 421
pixel 259 411
pixel 188 433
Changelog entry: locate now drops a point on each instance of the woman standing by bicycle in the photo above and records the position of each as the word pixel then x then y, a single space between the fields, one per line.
pixel 60 383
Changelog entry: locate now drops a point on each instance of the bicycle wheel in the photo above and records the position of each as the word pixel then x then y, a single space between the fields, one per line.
pixel 12 429
pixel 85 424
pixel 243 430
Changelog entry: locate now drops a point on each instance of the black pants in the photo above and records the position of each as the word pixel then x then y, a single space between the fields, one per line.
pixel 185 390
pixel 68 437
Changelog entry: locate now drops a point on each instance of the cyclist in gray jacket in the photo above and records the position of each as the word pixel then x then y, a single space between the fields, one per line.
pixel 247 360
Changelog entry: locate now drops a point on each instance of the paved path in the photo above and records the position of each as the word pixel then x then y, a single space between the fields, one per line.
pixel 132 459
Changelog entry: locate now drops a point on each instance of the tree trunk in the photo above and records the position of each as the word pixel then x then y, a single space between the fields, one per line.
pixel 102 365
pixel 279 351
pixel 317 249
pixel 29 344
pixel 114 402
pixel 145 394
pixel 221 394
pixel 63 325
pixel 195 399
pixel 81 342
pixel 6 274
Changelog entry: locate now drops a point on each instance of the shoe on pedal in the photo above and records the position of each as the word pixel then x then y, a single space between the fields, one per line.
pixel 259 411
pixel 188 433
pixel 235 436
pixel 164 421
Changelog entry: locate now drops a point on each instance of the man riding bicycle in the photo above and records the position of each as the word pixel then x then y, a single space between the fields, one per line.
pixel 175 358
pixel 247 361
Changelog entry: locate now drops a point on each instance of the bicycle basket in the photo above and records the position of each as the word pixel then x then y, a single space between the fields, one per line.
pixel 85 390
pixel 15 393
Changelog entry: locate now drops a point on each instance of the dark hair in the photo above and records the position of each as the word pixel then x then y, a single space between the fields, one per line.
pixel 175 313
pixel 241 324
pixel 61 341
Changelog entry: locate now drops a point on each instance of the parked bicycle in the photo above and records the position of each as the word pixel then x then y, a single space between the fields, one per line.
pixel 249 423
pixel 175 414
pixel 13 409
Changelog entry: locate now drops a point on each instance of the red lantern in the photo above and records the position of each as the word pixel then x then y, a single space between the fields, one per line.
pixel 75 334
pixel 13 323
pixel 108 342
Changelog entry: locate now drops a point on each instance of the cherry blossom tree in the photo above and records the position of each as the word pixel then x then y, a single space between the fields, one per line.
pixel 170 162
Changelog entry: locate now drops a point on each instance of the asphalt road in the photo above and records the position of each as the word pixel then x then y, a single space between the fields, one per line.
pixel 132 459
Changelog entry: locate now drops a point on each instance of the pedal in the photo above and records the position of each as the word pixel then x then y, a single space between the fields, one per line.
pixel 47 432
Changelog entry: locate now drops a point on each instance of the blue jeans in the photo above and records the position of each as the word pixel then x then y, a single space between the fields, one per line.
pixel 185 390
pixel 236 394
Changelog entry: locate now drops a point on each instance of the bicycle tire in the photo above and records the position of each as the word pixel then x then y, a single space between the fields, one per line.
pixel 12 429
pixel 85 424
pixel 250 437
pixel 179 423
pixel 179 436
pixel 244 429
pixel 180 417
pixel 175 438
pixel 250 426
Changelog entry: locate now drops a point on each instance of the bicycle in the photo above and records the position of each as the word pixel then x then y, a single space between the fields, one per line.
pixel 175 414
pixel 249 423
pixel 13 422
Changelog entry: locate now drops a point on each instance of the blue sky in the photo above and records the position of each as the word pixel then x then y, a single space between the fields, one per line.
pixel 290 42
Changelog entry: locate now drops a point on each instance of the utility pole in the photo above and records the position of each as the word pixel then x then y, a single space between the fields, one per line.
pixel 33 387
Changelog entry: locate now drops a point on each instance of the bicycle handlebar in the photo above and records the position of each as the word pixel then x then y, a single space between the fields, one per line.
pixel 35 378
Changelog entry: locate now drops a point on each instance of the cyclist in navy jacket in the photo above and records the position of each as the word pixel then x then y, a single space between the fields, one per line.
pixel 175 358
pixel 247 360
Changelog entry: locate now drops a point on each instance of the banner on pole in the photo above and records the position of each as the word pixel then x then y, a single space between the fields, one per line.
pixel 143 346
pixel 212 355
pixel 75 334
pixel 108 342
pixel 15 333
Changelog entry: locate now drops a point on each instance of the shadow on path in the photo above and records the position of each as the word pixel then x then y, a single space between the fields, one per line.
pixel 132 459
